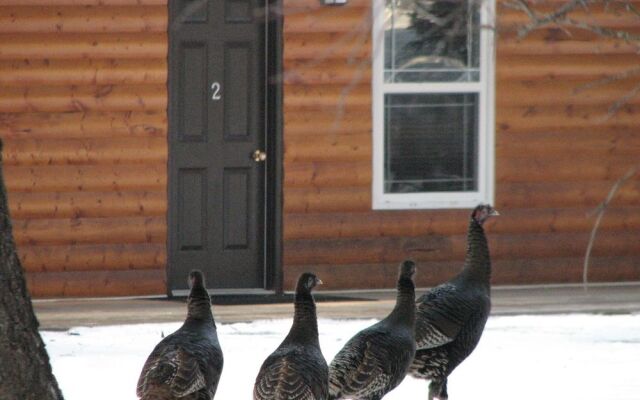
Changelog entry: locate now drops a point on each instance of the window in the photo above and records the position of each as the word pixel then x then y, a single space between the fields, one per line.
pixel 432 103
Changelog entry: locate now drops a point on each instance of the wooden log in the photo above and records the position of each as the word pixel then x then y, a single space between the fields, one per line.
pixel 328 148
pixel 613 17
pixel 453 222
pixel 554 151
pixel 370 276
pixel 562 67
pixel 82 72
pixel 527 194
pixel 97 283
pixel 82 2
pixel 129 150
pixel 582 140
pixel 90 231
pixel 564 194
pixel 504 272
pixel 508 28
pixel 567 116
pixel 96 257
pixel 357 251
pixel 587 61
pixel 327 19
pixel 544 271
pixel 337 108
pixel 328 174
pixel 347 199
pixel 56 19
pixel 592 145
pixel 570 125
pixel 558 93
pixel 83 125
pixel 325 123
pixel 375 224
pixel 310 5
pixel 29 206
pixel 550 5
pixel 555 3
pixel 86 178
pixel 83 98
pixel 555 35
pixel 561 119
pixel 453 247
pixel 83 46
pixel 579 168
pixel 507 45
pixel 329 72
pixel 603 136
pixel 322 46
pixel 330 96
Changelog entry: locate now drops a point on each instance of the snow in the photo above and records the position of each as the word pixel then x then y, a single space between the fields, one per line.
pixel 524 357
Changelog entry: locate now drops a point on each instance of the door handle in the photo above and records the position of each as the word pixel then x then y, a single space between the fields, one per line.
pixel 259 156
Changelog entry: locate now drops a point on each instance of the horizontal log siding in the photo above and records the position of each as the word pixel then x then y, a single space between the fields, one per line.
pixel 557 156
pixel 83 102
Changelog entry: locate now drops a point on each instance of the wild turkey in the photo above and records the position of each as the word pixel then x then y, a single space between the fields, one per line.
pixel 186 365
pixel 375 360
pixel 296 370
pixel 450 318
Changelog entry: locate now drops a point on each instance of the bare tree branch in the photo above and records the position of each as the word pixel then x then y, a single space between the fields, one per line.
pixel 600 210
pixel 618 34
pixel 562 17
pixel 609 79
pixel 632 9
pixel 621 102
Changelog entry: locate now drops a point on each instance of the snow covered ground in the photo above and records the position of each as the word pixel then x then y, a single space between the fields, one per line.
pixel 523 357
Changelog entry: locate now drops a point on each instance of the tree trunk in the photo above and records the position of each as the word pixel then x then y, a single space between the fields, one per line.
pixel 25 372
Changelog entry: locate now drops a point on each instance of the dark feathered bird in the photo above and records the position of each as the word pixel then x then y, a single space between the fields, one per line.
pixel 186 365
pixel 296 370
pixel 450 318
pixel 376 359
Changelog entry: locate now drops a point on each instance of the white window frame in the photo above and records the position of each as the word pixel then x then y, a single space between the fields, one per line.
pixel 485 88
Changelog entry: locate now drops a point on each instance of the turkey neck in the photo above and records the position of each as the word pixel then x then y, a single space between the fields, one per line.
pixel 305 322
pixel 404 310
pixel 477 264
pixel 199 306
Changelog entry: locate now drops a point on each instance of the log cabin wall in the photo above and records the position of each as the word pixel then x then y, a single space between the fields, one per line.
pixel 83 102
pixel 83 117
pixel 557 156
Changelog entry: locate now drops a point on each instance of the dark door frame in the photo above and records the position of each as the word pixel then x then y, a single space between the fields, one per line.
pixel 275 149
pixel 273 213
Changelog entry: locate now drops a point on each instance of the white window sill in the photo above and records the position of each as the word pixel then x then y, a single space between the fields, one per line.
pixel 405 201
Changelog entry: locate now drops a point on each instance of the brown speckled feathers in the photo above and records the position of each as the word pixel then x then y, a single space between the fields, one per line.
pixel 376 359
pixel 296 370
pixel 187 364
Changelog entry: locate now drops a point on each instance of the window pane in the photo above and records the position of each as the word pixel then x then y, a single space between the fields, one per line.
pixel 432 41
pixel 431 142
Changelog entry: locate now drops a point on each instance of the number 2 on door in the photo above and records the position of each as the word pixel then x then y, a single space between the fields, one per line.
pixel 215 86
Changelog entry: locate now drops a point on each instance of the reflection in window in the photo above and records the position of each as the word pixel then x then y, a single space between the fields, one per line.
pixel 430 143
pixel 432 41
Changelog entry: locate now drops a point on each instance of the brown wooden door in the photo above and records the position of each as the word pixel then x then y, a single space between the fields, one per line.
pixel 217 122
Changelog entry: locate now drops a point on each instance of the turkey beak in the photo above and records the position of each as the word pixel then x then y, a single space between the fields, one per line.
pixel 318 281
pixel 494 213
